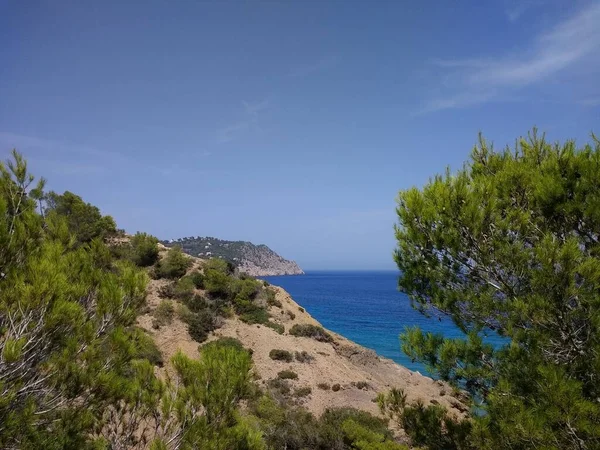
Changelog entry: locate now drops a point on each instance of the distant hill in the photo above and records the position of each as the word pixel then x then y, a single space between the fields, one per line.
pixel 255 260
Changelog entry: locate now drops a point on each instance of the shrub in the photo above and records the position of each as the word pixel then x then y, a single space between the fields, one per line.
pixel 301 309
pixel 84 220
pixel 255 315
pixel 275 326
pixel 290 314
pixel 303 356
pixel 145 348
pixel 198 279
pixel 324 386
pixel 144 249
pixel 196 303
pixel 303 391
pixel 336 387
pixel 361 384
pixel 281 386
pixel 217 282
pixel 200 325
pixel 271 298
pixel 174 264
pixel 312 331
pixel 332 419
pixel 225 342
pixel 184 313
pixel 280 355
pixel 287 375
pixel 164 312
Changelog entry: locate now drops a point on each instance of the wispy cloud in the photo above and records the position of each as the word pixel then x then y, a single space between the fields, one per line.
pixel 249 121
pixel 514 13
pixel 315 67
pixel 567 44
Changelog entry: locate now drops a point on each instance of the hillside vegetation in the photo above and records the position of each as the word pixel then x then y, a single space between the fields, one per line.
pixel 254 260
pixel 79 370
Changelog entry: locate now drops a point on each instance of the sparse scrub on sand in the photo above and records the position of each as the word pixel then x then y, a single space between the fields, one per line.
pixel 312 331
pixel 280 355
pixel 164 312
pixel 287 375
pixel 336 387
pixel 360 384
pixel 303 356
pixel 324 386
pixel 303 391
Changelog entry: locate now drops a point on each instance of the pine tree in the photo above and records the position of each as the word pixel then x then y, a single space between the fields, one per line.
pixel 511 243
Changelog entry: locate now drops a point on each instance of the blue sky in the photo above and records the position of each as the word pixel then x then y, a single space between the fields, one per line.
pixel 290 123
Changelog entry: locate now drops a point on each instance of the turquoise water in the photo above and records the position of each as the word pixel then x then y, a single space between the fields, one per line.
pixel 365 307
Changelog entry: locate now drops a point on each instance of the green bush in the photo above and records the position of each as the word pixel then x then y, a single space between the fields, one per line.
pixel 270 295
pixel 84 220
pixel 174 264
pixel 287 375
pixel 196 303
pixel 302 391
pixel 145 347
pixel 200 325
pixel 164 312
pixel 280 355
pixel 280 329
pixel 303 356
pixel 198 279
pixel 312 331
pixel 144 249
pixel 255 315
pixel 225 342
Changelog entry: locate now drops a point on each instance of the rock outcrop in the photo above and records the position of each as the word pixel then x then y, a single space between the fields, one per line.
pixel 255 260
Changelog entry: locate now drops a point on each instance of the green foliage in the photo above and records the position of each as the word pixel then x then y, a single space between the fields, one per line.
pixel 144 249
pixel 303 356
pixel 313 331
pixel 84 221
pixel 198 279
pixel 174 265
pixel 226 342
pixel 280 355
pixel 428 426
pixel 200 325
pixel 164 312
pixel 66 315
pixel 280 329
pixel 271 298
pixel 337 429
pixel 510 243
pixel 287 375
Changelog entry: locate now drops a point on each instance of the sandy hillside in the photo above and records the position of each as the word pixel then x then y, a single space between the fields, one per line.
pixel 341 362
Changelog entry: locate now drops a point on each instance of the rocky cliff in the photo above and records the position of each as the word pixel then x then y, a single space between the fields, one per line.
pixel 255 260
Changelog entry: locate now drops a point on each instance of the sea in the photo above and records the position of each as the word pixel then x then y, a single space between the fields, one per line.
pixel 365 307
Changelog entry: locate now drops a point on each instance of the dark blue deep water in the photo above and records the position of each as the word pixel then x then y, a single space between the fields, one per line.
pixel 365 307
